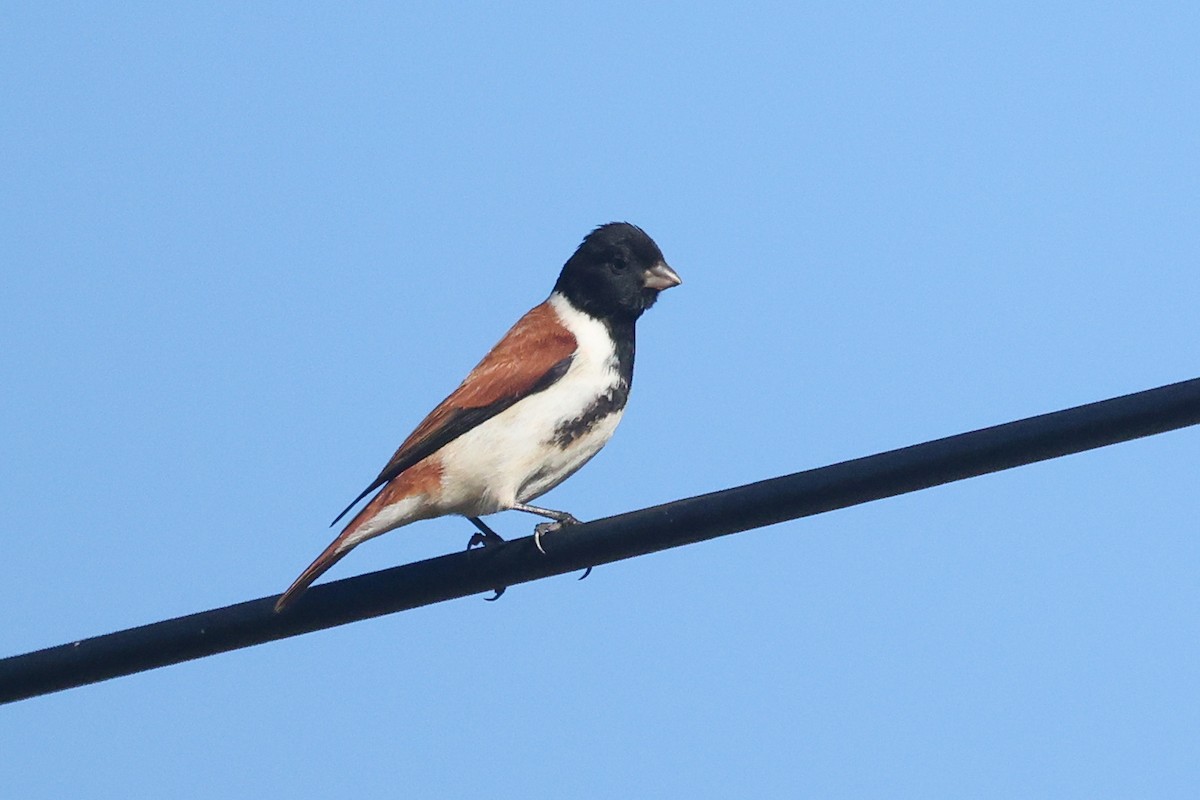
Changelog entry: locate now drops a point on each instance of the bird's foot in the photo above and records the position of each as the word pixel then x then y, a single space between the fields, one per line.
pixel 482 540
pixel 586 572
pixel 485 536
pixel 550 527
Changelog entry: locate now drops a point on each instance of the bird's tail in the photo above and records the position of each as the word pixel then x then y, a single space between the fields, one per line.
pixel 403 499
pixel 337 548
pixel 347 540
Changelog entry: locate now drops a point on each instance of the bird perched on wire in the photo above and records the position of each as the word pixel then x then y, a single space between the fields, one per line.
pixel 538 406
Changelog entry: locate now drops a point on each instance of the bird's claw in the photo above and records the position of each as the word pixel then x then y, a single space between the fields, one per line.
pixel 586 572
pixel 543 528
pixel 485 537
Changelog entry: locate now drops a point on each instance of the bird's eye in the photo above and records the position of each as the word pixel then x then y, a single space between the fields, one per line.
pixel 619 264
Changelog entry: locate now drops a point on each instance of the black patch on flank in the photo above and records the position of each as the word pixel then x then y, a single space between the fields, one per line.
pixel 608 403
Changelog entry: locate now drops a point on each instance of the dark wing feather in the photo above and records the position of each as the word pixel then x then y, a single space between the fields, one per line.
pixel 531 357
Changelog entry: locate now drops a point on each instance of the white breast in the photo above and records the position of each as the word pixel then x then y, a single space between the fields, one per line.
pixel 514 456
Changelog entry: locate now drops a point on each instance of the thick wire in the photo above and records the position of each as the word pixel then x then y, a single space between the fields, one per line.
pixel 606 540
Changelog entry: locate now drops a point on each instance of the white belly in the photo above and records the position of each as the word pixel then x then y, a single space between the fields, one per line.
pixel 519 454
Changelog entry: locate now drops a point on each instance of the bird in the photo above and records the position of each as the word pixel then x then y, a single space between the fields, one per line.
pixel 542 402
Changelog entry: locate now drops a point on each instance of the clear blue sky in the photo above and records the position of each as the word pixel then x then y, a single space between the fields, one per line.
pixel 244 252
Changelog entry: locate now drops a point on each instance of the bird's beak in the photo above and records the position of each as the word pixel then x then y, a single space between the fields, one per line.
pixel 660 277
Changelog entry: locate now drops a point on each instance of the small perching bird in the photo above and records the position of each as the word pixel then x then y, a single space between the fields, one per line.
pixel 538 406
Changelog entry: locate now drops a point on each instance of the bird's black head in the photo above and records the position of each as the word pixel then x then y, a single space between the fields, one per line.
pixel 616 273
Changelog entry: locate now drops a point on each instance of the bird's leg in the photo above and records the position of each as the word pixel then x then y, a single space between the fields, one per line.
pixel 560 518
pixel 486 537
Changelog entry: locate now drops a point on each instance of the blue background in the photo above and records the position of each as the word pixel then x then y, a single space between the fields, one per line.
pixel 246 249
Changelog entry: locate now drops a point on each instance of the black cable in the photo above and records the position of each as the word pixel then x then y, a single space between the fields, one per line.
pixel 606 540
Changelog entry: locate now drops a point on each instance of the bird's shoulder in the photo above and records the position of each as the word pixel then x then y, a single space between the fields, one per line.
pixel 533 347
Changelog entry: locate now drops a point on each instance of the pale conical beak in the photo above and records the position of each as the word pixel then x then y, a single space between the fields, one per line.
pixel 660 277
